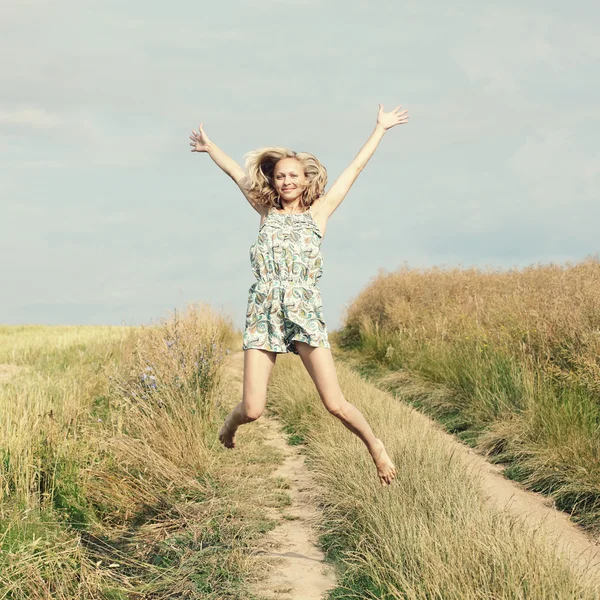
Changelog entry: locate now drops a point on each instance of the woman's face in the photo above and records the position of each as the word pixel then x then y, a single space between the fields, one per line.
pixel 289 179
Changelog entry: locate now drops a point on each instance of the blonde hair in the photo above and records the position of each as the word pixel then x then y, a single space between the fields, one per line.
pixel 260 165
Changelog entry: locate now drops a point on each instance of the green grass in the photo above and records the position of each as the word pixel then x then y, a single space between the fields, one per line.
pixel 113 488
pixel 429 535
pixel 544 430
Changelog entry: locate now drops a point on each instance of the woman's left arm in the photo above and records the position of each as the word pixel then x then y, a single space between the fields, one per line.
pixel 333 198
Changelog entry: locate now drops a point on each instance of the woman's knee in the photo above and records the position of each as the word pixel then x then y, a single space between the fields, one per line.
pixel 253 413
pixel 336 406
pixel 253 404
pixel 258 365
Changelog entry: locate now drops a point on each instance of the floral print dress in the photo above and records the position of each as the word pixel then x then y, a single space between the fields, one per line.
pixel 284 303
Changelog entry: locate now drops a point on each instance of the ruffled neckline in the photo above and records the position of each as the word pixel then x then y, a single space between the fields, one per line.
pixel 273 210
pixel 307 213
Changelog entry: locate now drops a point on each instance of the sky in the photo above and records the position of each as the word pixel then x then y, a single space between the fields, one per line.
pixel 106 217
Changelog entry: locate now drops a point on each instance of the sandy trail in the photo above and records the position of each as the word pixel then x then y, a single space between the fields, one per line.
pixel 535 509
pixel 300 572
pixel 303 575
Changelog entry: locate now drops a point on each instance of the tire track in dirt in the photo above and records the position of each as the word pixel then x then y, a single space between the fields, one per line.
pixel 299 570
pixel 537 510
pixel 302 574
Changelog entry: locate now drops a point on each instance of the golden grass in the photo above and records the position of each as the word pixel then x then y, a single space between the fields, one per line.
pixel 516 356
pixel 430 534
pixel 550 313
pixel 39 407
pixel 114 483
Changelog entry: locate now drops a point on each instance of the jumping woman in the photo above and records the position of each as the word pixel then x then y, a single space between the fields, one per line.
pixel 285 311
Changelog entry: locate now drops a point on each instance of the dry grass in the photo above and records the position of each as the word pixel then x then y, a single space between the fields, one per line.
pixel 430 534
pixel 550 313
pixel 516 356
pixel 113 482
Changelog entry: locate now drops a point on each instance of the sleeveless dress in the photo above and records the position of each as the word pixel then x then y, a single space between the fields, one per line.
pixel 284 303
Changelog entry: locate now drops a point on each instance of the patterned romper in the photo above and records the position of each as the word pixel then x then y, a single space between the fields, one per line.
pixel 284 304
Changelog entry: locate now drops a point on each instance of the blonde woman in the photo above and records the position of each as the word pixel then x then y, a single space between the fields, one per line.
pixel 285 312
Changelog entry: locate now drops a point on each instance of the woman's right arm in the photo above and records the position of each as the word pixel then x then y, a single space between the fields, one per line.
pixel 202 143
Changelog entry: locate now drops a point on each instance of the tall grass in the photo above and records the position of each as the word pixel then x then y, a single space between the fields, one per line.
pixel 113 481
pixel 517 355
pixel 431 534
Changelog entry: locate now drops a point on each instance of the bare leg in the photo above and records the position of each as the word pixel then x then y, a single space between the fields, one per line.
pixel 320 366
pixel 258 365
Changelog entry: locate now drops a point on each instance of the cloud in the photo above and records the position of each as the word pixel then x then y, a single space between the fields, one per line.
pixel 62 140
pixel 558 168
pixel 106 204
pixel 31 118
pixel 504 47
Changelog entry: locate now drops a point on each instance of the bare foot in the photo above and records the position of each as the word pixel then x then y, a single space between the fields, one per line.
pixel 226 437
pixel 386 470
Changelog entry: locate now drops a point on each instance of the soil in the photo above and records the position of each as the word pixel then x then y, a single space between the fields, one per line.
pixel 302 574
pixel 299 571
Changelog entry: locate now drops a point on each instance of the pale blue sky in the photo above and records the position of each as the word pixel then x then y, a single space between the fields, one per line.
pixel 107 217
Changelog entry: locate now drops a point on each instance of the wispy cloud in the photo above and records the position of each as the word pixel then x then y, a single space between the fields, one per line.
pixel 503 48
pixel 32 118
pixel 499 159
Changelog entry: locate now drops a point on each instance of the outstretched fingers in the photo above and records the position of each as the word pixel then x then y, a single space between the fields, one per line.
pixel 401 117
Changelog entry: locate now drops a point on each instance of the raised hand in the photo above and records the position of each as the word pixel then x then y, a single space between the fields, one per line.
pixel 389 119
pixel 200 140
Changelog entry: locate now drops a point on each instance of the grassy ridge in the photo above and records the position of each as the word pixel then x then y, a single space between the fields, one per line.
pixel 430 534
pixel 113 482
pixel 512 362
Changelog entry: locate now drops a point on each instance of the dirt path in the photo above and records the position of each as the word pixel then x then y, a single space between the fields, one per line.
pixel 535 509
pixel 300 572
